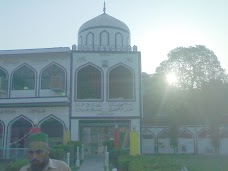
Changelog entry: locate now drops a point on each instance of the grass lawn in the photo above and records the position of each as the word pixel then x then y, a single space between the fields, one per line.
pixel 176 163
pixel 203 162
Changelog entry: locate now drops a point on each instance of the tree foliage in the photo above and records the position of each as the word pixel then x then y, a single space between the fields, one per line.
pixel 154 95
pixel 199 97
pixel 193 66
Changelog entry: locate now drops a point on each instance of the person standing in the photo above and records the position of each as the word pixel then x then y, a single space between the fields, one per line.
pixel 38 155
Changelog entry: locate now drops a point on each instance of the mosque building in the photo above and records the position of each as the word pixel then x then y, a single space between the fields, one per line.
pixel 85 91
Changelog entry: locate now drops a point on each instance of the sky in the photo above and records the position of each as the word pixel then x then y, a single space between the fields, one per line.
pixel 157 26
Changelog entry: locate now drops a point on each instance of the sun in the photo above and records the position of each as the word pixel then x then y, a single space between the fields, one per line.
pixel 171 78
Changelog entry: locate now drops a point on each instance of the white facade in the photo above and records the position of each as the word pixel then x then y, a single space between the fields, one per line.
pixel 87 90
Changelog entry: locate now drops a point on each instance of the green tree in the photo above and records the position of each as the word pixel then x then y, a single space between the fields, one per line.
pixel 213 101
pixel 200 95
pixel 161 100
pixel 193 66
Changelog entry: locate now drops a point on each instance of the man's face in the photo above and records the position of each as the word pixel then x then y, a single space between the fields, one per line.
pixel 38 153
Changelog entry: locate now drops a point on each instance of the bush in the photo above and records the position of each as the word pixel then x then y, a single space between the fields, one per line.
pixel 109 144
pixel 114 155
pixel 16 165
pixel 71 147
pixel 123 162
pixel 57 153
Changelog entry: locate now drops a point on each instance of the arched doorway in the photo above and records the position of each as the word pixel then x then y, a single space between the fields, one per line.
pixel 204 145
pixel 54 129
pixel 185 142
pixel 19 131
pixel 164 142
pixel 148 142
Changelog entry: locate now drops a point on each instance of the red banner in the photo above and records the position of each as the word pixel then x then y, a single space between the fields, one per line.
pixel 116 138
pixel 34 130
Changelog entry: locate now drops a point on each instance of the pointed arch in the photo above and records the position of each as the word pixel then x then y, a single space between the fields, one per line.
pixel 24 78
pixel 54 128
pixel 186 141
pixel 203 142
pixel 163 134
pixel 203 133
pixel 163 142
pixel 147 134
pixel 185 133
pixel 53 80
pixel 4 77
pixel 104 38
pixel 89 82
pixel 120 83
pixel 90 39
pixel 118 39
pixel 18 132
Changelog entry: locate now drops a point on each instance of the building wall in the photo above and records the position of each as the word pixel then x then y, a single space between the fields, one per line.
pixel 34 106
pixel 190 142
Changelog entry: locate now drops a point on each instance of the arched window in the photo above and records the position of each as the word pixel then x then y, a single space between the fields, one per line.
pixel 90 39
pixel 3 84
pixel 119 40
pixel 53 78
pixel 104 39
pixel 54 129
pixel 23 79
pixel 89 83
pixel 121 83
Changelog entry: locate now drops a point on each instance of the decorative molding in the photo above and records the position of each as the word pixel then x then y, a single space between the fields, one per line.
pixel 7 111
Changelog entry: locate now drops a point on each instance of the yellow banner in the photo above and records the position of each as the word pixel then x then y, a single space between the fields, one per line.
pixel 134 143
pixel 67 136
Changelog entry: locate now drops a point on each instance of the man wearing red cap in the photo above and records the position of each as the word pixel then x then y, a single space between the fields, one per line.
pixel 38 156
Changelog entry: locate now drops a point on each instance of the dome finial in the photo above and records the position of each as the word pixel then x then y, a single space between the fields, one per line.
pixel 104 8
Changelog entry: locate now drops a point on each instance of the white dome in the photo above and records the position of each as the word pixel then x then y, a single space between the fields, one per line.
pixel 104 32
pixel 102 21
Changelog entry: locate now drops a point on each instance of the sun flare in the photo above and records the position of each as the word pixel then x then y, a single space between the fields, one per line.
pixel 171 78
